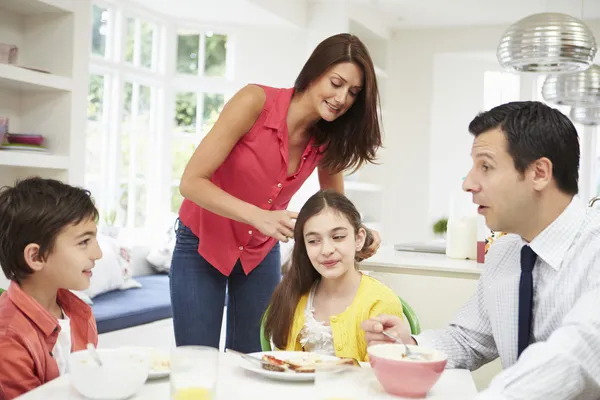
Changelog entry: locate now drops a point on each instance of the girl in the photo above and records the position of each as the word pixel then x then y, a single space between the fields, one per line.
pixel 323 298
pixel 240 179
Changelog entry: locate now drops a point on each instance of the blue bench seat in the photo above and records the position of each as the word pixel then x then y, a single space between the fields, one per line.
pixel 120 309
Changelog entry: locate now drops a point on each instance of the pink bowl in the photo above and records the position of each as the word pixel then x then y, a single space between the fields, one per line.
pixel 400 376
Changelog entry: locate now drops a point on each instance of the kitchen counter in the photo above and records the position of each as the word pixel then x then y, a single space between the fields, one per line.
pixel 388 260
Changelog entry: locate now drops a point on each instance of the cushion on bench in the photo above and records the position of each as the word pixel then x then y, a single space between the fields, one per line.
pixel 120 309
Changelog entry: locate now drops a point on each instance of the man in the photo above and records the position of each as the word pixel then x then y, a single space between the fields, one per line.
pixel 536 304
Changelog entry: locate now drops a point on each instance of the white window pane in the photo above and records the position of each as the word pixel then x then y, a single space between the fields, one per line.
pixel 185 112
pixel 188 45
pixel 122 212
pixel 212 105
pixel 215 55
pixel 95 126
pixel 182 149
pixel 93 146
pixel 94 185
pixel 140 205
pixel 99 30
pixel 147 44
pixel 129 40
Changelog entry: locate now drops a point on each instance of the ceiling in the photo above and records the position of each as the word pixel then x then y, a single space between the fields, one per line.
pixel 230 12
pixel 396 14
pixel 455 13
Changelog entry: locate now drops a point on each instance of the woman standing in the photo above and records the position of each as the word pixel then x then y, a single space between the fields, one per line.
pixel 239 181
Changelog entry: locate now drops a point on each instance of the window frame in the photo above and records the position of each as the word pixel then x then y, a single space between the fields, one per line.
pixel 166 83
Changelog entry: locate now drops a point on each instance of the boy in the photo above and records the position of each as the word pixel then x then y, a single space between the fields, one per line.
pixel 47 247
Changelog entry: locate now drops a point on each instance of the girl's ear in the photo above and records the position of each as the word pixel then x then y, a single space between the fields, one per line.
pixel 360 238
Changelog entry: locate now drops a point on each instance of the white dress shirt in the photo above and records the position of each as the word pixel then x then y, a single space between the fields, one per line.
pixel 563 359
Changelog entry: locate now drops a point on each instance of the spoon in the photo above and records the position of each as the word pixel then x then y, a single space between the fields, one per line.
pixel 409 354
pixel 92 350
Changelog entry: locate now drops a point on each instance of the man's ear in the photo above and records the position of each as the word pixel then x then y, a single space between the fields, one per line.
pixel 541 171
pixel 33 257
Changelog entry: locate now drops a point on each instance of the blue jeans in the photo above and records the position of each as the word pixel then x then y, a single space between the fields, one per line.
pixel 198 293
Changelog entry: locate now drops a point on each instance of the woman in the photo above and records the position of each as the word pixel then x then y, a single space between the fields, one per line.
pixel 242 176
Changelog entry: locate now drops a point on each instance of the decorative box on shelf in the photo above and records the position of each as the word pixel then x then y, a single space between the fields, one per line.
pixel 8 53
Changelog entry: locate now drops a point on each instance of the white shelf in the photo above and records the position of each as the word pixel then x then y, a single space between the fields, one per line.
pixel 361 186
pixel 34 7
pixel 12 77
pixel 13 158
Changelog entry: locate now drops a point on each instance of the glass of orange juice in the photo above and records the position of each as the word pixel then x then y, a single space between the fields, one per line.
pixel 342 383
pixel 194 372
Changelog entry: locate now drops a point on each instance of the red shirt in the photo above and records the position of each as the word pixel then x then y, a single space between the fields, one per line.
pixel 28 333
pixel 256 172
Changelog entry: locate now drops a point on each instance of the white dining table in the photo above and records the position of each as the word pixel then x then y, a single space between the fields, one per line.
pixel 235 382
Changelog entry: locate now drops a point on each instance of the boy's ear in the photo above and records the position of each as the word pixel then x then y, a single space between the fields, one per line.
pixel 33 257
pixel 361 236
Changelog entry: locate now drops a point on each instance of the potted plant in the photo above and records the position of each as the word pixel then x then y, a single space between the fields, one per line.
pixel 440 227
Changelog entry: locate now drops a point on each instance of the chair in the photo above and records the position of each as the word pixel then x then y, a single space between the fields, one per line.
pixel 409 313
pixel 1 290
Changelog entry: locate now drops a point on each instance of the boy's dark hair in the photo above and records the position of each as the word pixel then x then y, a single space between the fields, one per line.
pixel 534 130
pixel 36 210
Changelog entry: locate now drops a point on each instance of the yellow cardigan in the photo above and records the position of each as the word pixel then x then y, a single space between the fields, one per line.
pixel 372 298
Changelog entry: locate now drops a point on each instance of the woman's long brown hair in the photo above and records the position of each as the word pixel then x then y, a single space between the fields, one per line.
pixel 354 138
pixel 302 275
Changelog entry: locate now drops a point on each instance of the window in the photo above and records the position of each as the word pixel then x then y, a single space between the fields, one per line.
pixel 99 30
pixel 144 123
pixel 189 131
pixel 192 46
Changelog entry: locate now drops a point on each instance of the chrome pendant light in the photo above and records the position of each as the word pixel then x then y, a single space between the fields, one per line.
pixel 547 42
pixel 585 115
pixel 580 89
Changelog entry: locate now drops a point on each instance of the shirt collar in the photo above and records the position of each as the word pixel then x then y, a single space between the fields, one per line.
pixel 39 316
pixel 277 116
pixel 553 242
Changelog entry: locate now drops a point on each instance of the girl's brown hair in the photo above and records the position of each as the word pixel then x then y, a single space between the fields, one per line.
pixel 354 138
pixel 302 275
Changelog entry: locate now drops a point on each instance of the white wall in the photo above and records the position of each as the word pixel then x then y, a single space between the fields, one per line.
pixel 269 56
pixel 435 88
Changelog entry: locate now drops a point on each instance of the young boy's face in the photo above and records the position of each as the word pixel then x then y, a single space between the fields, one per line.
pixel 69 265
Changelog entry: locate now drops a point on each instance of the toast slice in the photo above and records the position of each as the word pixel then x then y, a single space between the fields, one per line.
pixel 307 363
pixel 310 367
pixel 274 364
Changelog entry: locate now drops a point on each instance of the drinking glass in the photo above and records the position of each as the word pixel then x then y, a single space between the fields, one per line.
pixel 194 372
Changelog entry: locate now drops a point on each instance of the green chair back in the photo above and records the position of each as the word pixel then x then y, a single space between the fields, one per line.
pixel 409 313
pixel 265 343
pixel 411 317
pixel 1 290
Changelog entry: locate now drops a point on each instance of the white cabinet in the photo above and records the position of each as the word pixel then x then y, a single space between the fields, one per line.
pixel 51 36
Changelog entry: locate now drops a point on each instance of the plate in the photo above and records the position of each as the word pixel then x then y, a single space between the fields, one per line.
pixel 283 355
pixel 159 361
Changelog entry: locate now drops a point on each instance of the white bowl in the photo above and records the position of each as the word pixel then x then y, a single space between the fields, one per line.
pixel 122 374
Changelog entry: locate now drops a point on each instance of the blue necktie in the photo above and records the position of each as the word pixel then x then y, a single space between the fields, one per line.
pixel 528 258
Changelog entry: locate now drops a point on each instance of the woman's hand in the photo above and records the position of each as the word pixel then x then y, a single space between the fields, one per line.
pixel 277 224
pixel 372 243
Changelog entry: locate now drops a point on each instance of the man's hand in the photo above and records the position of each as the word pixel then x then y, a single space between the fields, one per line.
pixel 391 323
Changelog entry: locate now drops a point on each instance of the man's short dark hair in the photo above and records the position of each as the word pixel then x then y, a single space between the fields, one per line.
pixel 36 210
pixel 534 130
